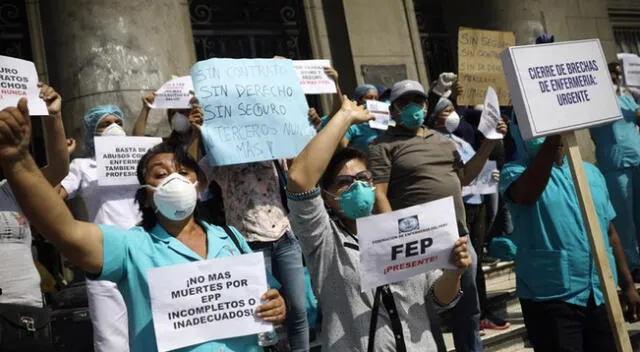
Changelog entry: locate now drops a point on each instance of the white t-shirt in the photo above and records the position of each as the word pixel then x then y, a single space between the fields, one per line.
pixel 19 278
pixel 108 205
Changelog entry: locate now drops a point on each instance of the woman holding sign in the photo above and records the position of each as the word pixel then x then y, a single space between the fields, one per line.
pixel 172 232
pixel 355 320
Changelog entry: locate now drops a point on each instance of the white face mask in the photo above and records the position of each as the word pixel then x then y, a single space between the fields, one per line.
pixel 113 130
pixel 175 197
pixel 180 123
pixel 452 122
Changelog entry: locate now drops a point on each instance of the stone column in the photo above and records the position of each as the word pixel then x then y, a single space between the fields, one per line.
pixel 565 19
pixel 112 51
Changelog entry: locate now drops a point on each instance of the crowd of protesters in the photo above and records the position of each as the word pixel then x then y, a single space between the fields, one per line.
pixel 301 213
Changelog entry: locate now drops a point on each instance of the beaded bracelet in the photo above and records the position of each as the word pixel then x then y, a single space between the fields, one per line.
pixel 304 195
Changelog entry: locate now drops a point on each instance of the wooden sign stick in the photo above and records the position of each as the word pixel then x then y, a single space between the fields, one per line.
pixel 597 244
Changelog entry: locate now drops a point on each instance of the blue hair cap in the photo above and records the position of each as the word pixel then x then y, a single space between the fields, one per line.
pixel 91 119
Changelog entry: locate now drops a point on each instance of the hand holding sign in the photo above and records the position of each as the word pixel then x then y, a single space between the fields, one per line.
pixel 148 99
pixel 490 118
pixel 275 310
pixel 460 255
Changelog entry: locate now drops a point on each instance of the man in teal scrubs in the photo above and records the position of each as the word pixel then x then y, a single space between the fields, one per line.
pixel 618 155
pixel 556 277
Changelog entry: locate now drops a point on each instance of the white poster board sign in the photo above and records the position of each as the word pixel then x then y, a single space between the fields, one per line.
pixel 117 158
pixel 407 242
pixel 490 116
pixel 484 183
pixel 174 94
pixel 207 300
pixel 379 110
pixel 19 79
pixel 559 87
pixel 631 70
pixel 312 78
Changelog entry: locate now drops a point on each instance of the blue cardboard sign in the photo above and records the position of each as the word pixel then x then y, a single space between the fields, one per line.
pixel 254 110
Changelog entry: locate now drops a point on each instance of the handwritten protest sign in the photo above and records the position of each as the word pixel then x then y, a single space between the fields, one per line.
pixel 398 245
pixel 560 87
pixel 479 64
pixel 379 110
pixel 631 70
pixel 174 94
pixel 312 78
pixel 207 300
pixel 484 182
pixel 490 116
pixel 117 158
pixel 254 109
pixel 19 79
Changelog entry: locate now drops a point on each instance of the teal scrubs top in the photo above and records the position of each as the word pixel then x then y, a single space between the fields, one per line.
pixel 129 254
pixel 359 136
pixel 618 143
pixel 554 258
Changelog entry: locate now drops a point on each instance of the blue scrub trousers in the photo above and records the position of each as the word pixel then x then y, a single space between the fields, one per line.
pixel 624 190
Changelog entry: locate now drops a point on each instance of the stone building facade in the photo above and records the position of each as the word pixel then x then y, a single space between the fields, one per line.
pixel 111 51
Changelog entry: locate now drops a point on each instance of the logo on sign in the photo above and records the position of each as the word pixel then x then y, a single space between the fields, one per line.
pixel 408 224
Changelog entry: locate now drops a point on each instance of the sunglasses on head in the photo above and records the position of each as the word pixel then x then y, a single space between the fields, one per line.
pixel 343 181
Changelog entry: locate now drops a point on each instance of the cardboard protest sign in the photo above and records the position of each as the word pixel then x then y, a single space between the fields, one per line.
pixel 254 109
pixel 19 79
pixel 490 116
pixel 398 245
pixel 379 110
pixel 117 158
pixel 207 300
pixel 174 94
pixel 312 78
pixel 479 64
pixel 631 70
pixel 484 182
pixel 560 87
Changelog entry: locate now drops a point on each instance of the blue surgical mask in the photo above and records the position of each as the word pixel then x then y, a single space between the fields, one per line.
pixel 357 200
pixel 412 116
pixel 533 146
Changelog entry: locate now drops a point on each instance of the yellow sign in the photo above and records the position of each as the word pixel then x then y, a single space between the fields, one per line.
pixel 479 64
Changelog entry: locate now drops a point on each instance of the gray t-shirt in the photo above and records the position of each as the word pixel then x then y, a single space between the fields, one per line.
pixel 19 278
pixel 333 260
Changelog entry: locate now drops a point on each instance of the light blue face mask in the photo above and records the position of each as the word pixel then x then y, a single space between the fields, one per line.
pixel 412 116
pixel 357 201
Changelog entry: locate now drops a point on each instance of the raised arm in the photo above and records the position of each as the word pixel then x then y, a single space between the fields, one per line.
pixel 79 241
pixel 54 137
pixel 530 185
pixel 337 98
pixel 196 120
pixel 140 127
pixel 310 164
pixel 473 167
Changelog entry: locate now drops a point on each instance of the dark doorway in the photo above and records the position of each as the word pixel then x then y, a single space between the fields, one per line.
pixel 14 30
pixel 436 42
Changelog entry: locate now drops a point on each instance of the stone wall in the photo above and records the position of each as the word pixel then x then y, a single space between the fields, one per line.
pixel 111 52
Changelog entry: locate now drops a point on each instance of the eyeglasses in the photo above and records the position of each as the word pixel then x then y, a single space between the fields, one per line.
pixel 343 181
